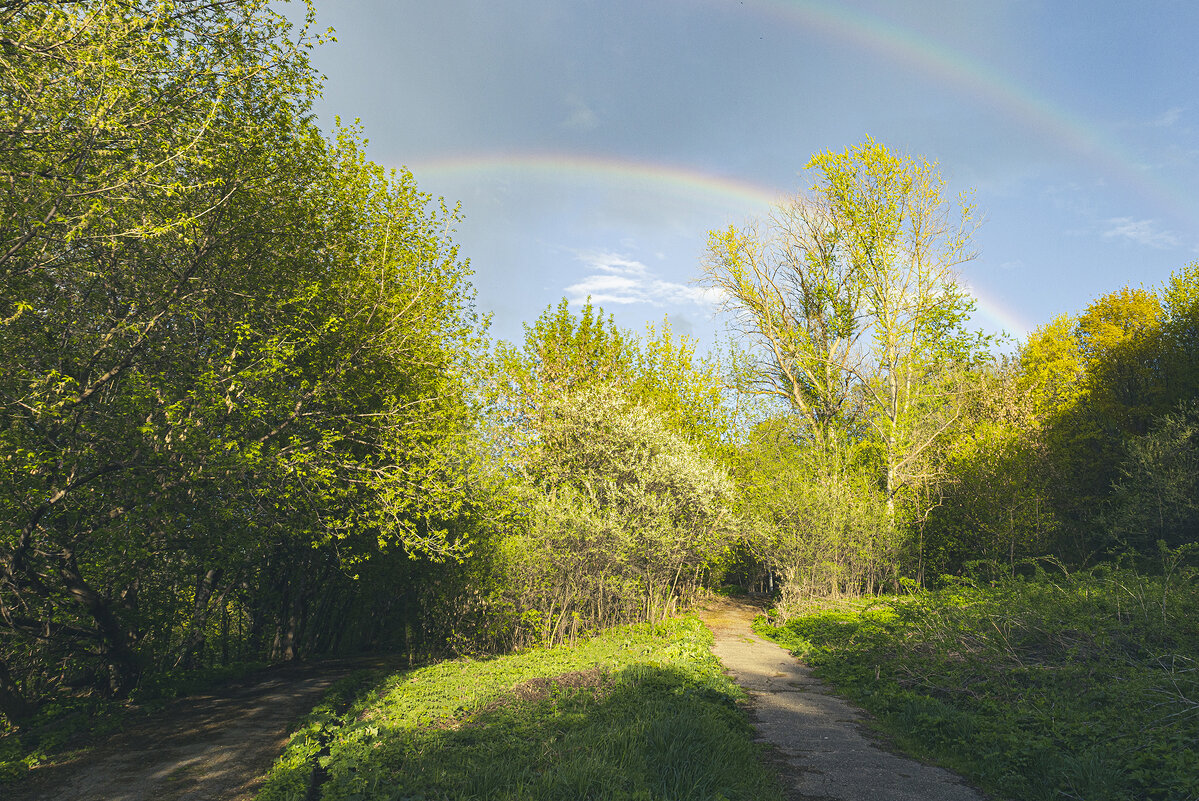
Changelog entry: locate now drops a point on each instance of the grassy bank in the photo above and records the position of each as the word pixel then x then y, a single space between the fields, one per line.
pixel 1083 686
pixel 636 713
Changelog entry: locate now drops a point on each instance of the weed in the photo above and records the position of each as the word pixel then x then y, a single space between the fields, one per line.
pixel 636 714
pixel 1051 687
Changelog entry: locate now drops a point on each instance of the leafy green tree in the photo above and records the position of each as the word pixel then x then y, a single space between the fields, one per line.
pixel 136 157
pixel 905 241
pixel 686 390
pixel 1099 385
pixel 1106 388
pixel 563 352
pixel 1179 377
pixel 236 353
pixel 850 300
pixel 1115 319
pixel 1052 366
pixel 993 494
pixel 610 440
pixel 850 308
pixel 817 521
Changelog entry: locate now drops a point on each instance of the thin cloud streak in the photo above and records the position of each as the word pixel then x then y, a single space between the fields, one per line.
pixel 1142 232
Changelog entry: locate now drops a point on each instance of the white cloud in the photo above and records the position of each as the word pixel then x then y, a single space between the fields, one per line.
pixel 617 279
pixel 1166 118
pixel 612 263
pixel 603 289
pixel 580 117
pixel 1142 232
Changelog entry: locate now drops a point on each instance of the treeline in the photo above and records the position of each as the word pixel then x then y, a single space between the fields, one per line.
pixel 1084 445
pixel 249 411
pixel 234 355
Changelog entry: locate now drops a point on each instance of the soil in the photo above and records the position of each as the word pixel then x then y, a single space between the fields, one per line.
pixel 820 745
pixel 213 747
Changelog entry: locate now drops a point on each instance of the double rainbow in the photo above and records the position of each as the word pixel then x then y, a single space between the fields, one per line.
pixel 950 67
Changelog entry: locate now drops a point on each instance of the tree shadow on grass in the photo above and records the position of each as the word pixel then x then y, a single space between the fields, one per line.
pixel 645 732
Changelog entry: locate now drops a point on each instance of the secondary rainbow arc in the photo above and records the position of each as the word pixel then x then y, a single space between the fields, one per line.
pixel 956 68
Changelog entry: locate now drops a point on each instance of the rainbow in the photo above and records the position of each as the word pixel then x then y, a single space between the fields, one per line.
pixel 723 191
pixel 732 195
pixel 954 68
pixel 998 314
pixel 950 67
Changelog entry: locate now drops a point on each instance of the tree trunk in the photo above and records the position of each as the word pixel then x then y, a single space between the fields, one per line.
pixel 116 641
pixel 193 640
pixel 13 703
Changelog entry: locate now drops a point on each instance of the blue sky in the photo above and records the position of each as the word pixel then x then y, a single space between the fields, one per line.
pixel 593 144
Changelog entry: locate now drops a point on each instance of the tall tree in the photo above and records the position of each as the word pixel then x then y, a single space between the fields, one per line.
pixel 905 241
pixel 135 152
pixel 850 299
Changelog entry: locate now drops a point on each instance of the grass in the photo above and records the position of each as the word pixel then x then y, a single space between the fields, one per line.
pixel 1053 687
pixel 639 713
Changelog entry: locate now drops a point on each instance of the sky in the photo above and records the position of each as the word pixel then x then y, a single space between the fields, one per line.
pixel 593 144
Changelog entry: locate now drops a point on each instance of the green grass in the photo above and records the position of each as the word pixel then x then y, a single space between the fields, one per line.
pixel 1083 687
pixel 635 713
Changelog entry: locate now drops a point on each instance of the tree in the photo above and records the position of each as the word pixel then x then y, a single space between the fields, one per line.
pixel 815 519
pixel 1052 366
pixel 1117 444
pixel 560 353
pixel 993 500
pixel 905 243
pixel 563 352
pixel 235 352
pixel 135 157
pixel 850 300
pixel 610 440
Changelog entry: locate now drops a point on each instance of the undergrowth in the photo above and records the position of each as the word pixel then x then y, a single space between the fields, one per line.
pixel 638 713
pixel 1080 686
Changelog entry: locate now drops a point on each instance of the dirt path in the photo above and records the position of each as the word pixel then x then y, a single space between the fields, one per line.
pixel 203 748
pixel 828 755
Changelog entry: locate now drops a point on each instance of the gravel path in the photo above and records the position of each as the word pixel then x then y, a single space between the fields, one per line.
pixel 213 747
pixel 827 753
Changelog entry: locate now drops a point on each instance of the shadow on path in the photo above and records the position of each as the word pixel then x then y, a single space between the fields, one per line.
pixel 210 747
